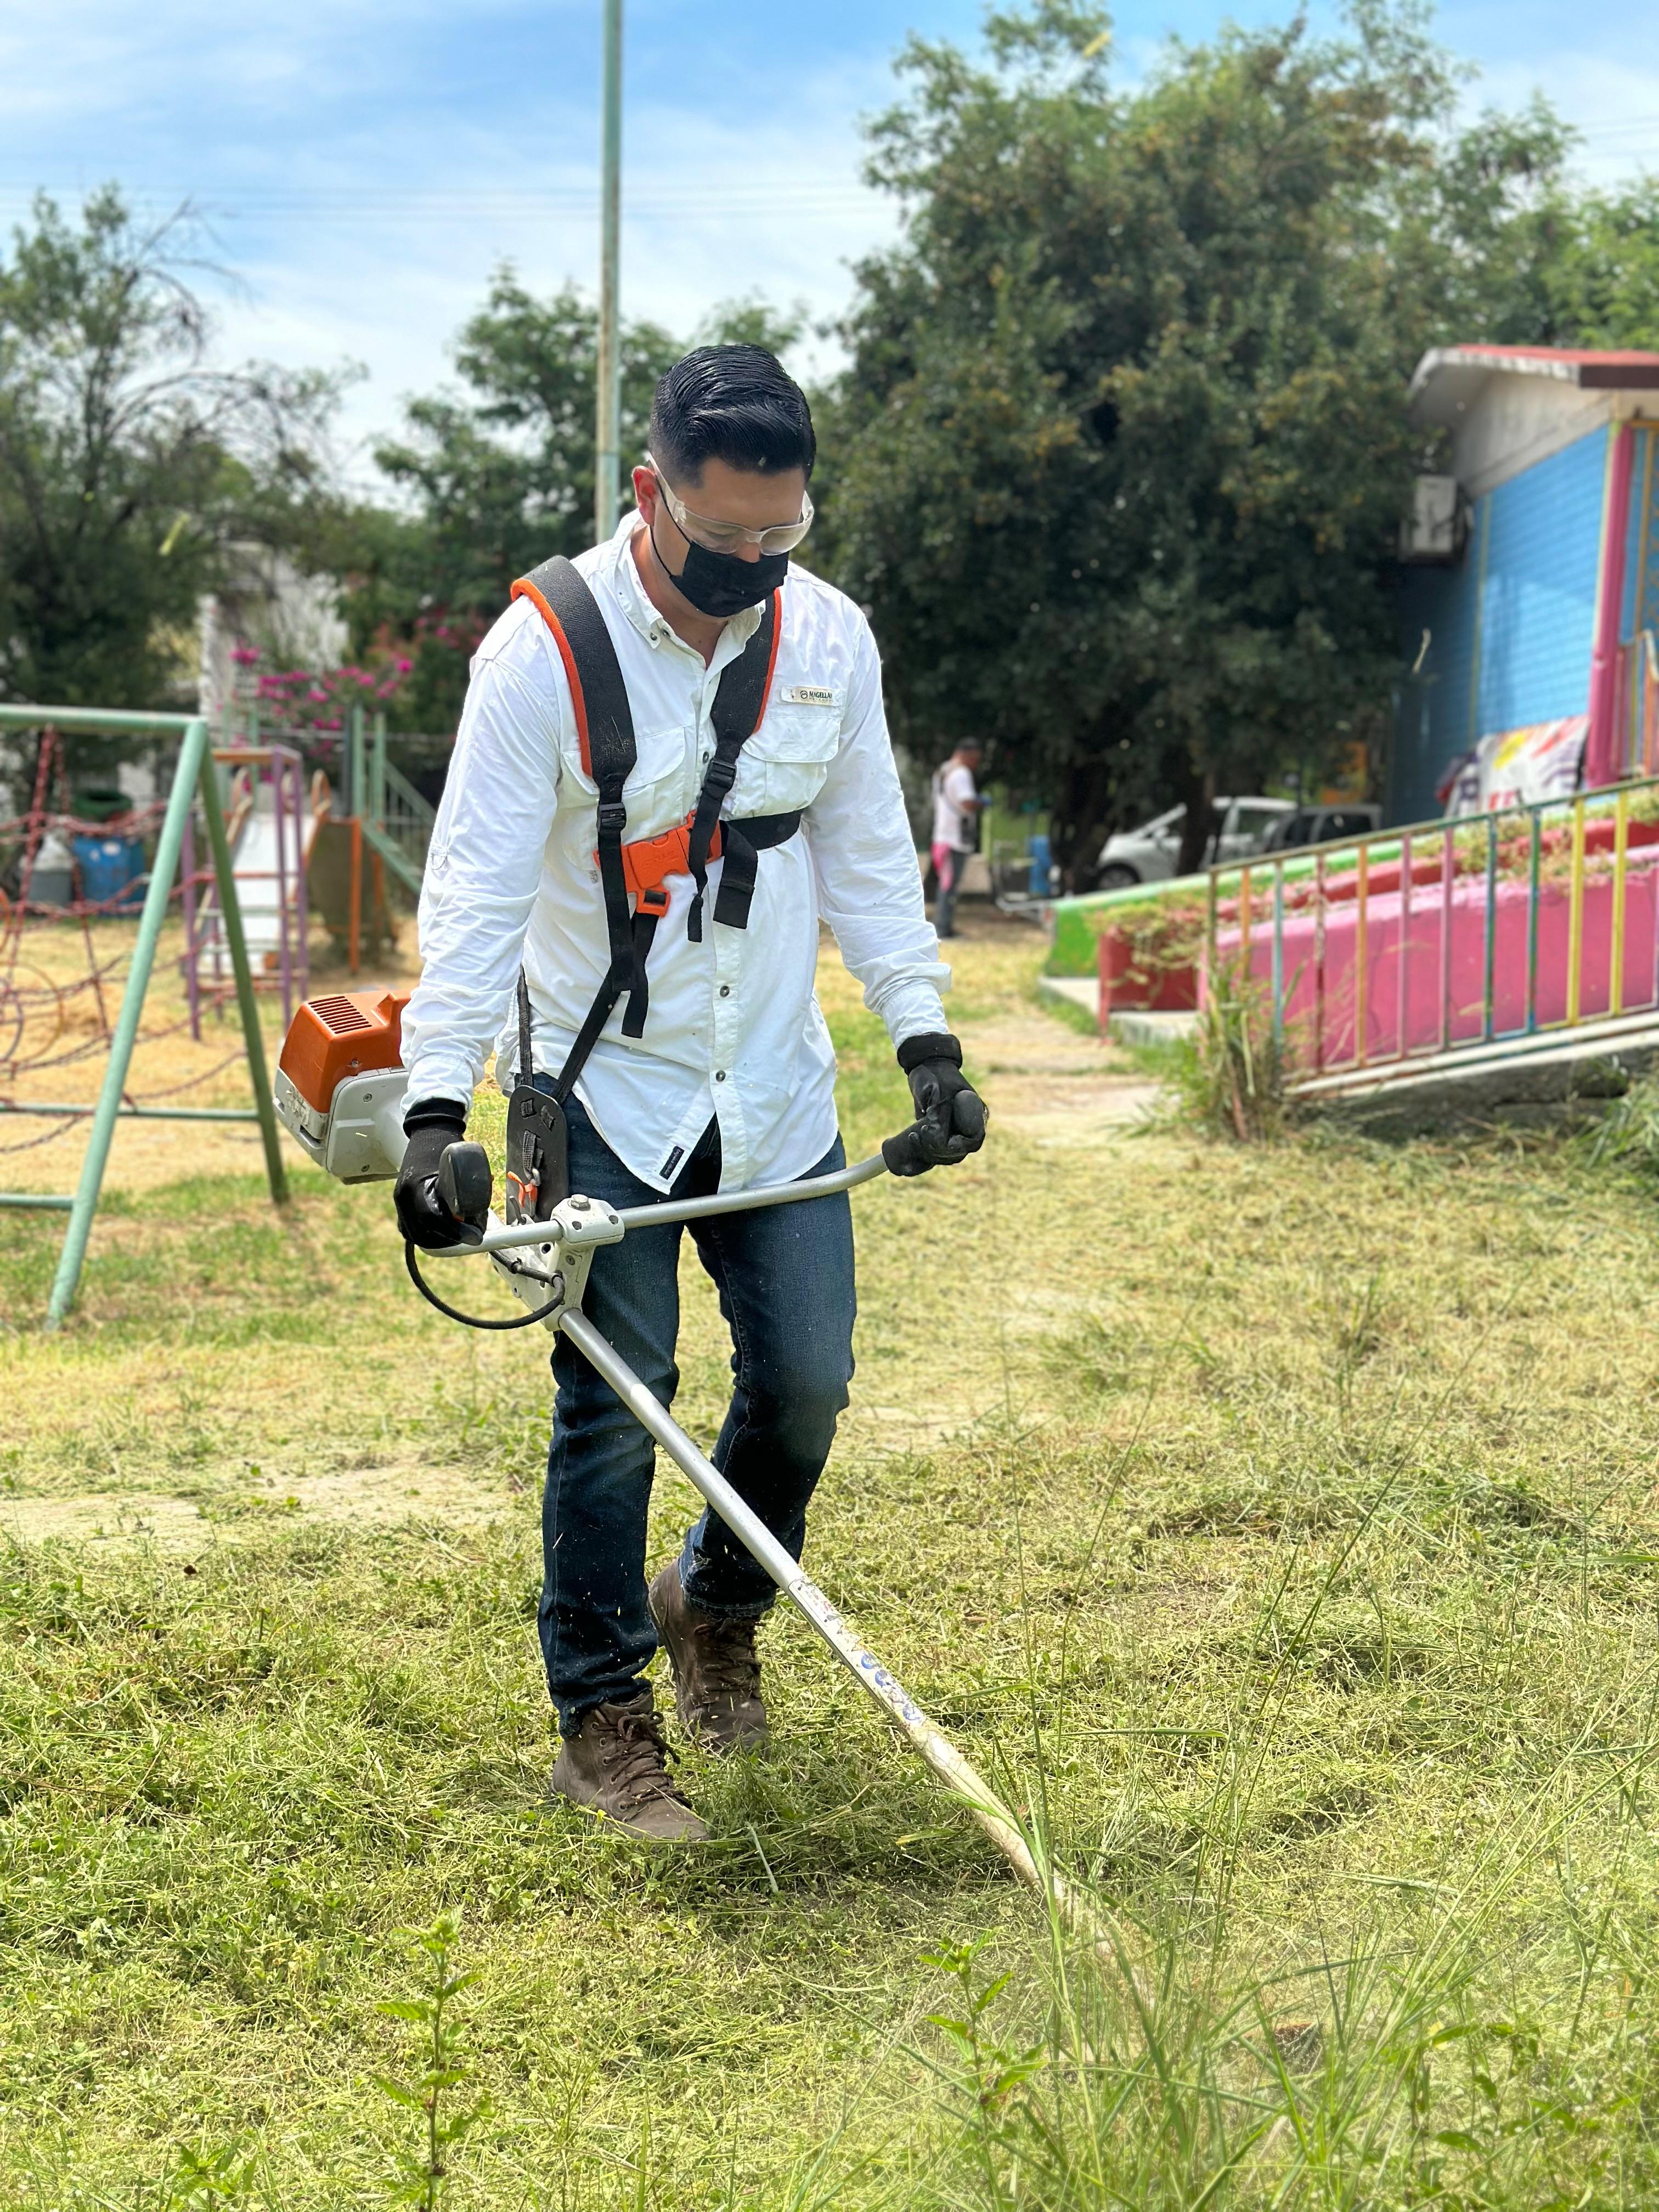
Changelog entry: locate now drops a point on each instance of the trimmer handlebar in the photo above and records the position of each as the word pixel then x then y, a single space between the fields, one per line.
pixel 522 1234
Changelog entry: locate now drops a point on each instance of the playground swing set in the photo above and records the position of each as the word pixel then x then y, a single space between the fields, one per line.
pixel 196 776
pixel 279 855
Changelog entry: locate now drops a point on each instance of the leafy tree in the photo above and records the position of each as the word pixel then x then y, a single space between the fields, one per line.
pixel 499 475
pixel 1120 452
pixel 129 466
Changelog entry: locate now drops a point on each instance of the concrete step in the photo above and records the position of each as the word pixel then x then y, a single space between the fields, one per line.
pixel 1510 1079
pixel 1076 990
pixel 1135 1026
pixel 1128 1025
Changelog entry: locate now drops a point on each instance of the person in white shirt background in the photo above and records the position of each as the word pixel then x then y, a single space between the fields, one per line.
pixel 956 803
pixel 729 1081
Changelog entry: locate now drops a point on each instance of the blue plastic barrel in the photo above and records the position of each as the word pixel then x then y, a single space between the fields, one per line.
pixel 109 867
pixel 1041 866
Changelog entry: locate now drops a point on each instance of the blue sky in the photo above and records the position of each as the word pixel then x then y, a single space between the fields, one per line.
pixel 366 164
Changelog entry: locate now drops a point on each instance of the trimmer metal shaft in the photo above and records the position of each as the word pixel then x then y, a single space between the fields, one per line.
pixel 957 1772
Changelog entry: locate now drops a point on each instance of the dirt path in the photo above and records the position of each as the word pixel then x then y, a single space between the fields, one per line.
pixel 1053 1084
pixel 375 1497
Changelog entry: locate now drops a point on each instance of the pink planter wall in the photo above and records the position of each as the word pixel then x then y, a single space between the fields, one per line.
pixel 1324 1017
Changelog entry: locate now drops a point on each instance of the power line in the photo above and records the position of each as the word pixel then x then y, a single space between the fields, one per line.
pixel 374 203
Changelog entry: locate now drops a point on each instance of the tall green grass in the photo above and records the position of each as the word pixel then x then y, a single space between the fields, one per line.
pixel 1276 1522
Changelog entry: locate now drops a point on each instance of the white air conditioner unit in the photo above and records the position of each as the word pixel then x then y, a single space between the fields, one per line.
pixel 1437 526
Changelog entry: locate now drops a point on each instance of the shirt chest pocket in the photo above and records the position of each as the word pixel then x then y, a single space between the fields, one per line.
pixel 783 766
pixel 659 787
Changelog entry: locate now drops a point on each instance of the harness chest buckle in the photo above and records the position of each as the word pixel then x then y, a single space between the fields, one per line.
pixel 648 862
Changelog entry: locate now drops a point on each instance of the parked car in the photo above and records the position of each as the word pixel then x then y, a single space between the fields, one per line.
pixel 1322 826
pixel 1148 855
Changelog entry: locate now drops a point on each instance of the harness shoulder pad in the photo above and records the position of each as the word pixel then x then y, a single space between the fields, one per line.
pixel 741 696
pixel 605 723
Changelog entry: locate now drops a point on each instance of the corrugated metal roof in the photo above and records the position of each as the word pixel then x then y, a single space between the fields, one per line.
pixel 1447 377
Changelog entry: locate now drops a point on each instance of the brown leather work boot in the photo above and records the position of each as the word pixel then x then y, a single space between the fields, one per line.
pixel 716 1674
pixel 617 1761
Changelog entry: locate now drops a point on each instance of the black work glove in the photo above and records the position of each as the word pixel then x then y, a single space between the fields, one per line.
pixel 421 1214
pixel 950 1113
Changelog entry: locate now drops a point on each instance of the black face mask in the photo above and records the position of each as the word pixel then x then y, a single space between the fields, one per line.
pixel 719 584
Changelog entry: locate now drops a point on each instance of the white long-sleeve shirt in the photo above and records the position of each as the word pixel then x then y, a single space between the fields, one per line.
pixel 733 1030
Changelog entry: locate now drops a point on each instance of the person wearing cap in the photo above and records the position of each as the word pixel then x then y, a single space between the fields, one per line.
pixel 723 1077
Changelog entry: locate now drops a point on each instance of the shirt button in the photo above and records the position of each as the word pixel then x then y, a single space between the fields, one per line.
pixel 719 1075
pixel 725 990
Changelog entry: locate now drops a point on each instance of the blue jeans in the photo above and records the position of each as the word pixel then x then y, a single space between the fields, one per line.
pixel 785 1279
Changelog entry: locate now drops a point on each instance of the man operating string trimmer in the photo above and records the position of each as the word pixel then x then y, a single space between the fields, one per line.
pixel 673 760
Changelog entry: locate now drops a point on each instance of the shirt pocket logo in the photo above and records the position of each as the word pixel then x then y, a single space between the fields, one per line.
pixel 810 694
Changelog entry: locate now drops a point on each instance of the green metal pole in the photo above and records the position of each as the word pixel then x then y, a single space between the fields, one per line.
pixel 377 777
pixel 231 910
pixel 356 780
pixel 191 756
pixel 607 427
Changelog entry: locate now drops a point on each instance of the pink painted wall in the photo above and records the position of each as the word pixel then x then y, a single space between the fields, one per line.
pixel 1423 941
pixel 1603 753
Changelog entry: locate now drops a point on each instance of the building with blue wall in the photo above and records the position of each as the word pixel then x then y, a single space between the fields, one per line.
pixel 1529 598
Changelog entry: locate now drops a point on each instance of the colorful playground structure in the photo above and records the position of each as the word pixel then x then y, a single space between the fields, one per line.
pixel 268 825
pixel 251 851
pixel 365 829
pixel 194 779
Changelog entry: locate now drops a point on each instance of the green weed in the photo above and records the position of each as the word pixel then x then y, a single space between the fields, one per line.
pixel 446 2118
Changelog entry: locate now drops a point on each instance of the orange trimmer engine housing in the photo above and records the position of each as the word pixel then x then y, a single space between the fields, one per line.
pixel 351 1033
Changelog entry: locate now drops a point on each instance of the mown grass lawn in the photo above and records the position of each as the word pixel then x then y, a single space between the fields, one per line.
pixel 1279 1526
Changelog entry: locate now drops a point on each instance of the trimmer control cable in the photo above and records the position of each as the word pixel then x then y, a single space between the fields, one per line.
pixel 474 1321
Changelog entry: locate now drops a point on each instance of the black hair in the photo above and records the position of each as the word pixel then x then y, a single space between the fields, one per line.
pixel 733 404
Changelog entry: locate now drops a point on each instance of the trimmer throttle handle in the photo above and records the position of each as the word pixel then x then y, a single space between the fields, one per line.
pixel 465 1186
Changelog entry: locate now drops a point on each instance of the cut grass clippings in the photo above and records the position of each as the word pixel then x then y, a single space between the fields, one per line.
pixel 1276 1523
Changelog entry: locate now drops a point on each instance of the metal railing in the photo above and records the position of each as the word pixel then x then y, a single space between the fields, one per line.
pixel 397 821
pixel 398 814
pixel 1450 936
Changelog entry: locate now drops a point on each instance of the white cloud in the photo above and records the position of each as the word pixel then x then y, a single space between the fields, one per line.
pixel 368 165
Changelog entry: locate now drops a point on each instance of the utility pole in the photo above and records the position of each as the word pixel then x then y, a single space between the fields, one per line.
pixel 607 427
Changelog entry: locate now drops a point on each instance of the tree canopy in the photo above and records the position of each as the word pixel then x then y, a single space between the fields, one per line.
pixel 498 474
pixel 129 465
pixel 1116 458
pixel 1119 454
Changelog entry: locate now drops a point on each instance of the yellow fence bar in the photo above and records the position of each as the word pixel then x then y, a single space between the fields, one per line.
pixel 1576 909
pixel 1362 892
pixel 1620 839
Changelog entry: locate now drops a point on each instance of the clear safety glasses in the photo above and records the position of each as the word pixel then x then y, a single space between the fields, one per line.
pixel 730 537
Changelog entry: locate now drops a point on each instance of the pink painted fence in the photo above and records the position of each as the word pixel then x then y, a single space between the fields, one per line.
pixel 1448 940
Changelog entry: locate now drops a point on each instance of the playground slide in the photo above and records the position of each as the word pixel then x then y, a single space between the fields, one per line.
pixel 259 887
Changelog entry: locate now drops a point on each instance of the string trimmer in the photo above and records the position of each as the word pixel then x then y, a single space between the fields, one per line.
pixel 339 1090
